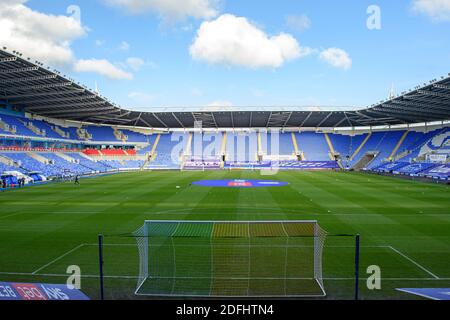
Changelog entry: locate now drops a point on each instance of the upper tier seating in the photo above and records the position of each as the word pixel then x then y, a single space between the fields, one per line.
pixel 277 144
pixel 313 145
pixel 146 150
pixel 242 147
pixel 414 145
pixel 18 123
pixel 373 144
pixel 49 133
pixel 169 150
pixel 101 133
pixel 137 137
pixel 205 146
pixel 346 145
pixel 439 143
pixel 386 146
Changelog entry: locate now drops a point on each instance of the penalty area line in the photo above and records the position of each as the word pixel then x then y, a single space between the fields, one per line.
pixel 58 258
pixel 415 263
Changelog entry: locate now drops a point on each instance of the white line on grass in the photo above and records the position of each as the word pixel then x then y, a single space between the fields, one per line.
pixel 11 215
pixel 59 258
pixel 225 245
pixel 435 277
pixel 136 277
pixel 414 262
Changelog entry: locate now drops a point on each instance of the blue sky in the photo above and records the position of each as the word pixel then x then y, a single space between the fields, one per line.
pixel 143 54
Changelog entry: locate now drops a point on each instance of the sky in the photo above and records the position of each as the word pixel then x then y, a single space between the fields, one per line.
pixel 147 54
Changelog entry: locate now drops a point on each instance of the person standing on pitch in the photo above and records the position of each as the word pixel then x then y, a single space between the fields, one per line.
pixel 77 180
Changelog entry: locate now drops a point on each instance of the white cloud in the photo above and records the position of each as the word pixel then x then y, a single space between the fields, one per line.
pixel 337 58
pixel 135 63
pixel 258 93
pixel 437 10
pixel 313 108
pixel 99 43
pixel 124 46
pixel 196 92
pixel 298 23
pixel 235 41
pixel 141 99
pixel 220 103
pixel 41 36
pixel 102 67
pixel 187 28
pixel 170 9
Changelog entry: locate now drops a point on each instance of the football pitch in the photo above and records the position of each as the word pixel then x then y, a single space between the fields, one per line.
pixel 404 225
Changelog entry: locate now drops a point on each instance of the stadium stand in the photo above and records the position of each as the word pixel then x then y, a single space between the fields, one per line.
pixel 413 150
pixel 63 165
pixel 137 137
pixel 29 164
pixel 18 125
pixel 404 147
pixel 277 144
pixel 241 147
pixel 346 145
pixel 169 144
pixel 390 167
pixel 45 127
pixel 414 169
pixel 205 145
pixel 87 163
pixel 313 145
pixel 5 167
pixel 438 144
pixel 102 133
pixel 43 148
pixel 368 150
pixel 441 172
pixel 385 147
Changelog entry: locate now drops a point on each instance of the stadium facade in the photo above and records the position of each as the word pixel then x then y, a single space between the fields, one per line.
pixel 52 126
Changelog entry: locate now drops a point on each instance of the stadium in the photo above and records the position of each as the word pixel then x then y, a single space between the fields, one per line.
pixel 220 202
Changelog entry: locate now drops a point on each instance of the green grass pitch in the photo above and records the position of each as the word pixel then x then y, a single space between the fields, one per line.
pixel 404 225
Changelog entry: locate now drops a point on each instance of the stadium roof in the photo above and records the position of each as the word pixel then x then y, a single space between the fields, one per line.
pixel 31 87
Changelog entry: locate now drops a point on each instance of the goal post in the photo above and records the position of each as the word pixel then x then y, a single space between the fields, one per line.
pixel 230 259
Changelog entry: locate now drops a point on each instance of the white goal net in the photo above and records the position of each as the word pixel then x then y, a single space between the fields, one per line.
pixel 230 259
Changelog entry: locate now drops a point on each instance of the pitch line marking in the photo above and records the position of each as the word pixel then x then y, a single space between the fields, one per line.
pixel 244 245
pixel 435 277
pixel 11 215
pixel 414 262
pixel 137 277
pixel 58 258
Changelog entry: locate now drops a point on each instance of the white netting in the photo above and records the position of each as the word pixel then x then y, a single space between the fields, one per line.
pixel 231 259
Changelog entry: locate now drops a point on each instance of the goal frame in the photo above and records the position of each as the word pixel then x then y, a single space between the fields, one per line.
pixel 317 262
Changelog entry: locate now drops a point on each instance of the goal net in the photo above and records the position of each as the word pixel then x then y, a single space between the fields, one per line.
pixel 230 259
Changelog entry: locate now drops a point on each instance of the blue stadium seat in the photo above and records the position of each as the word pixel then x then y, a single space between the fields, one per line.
pixel 313 145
